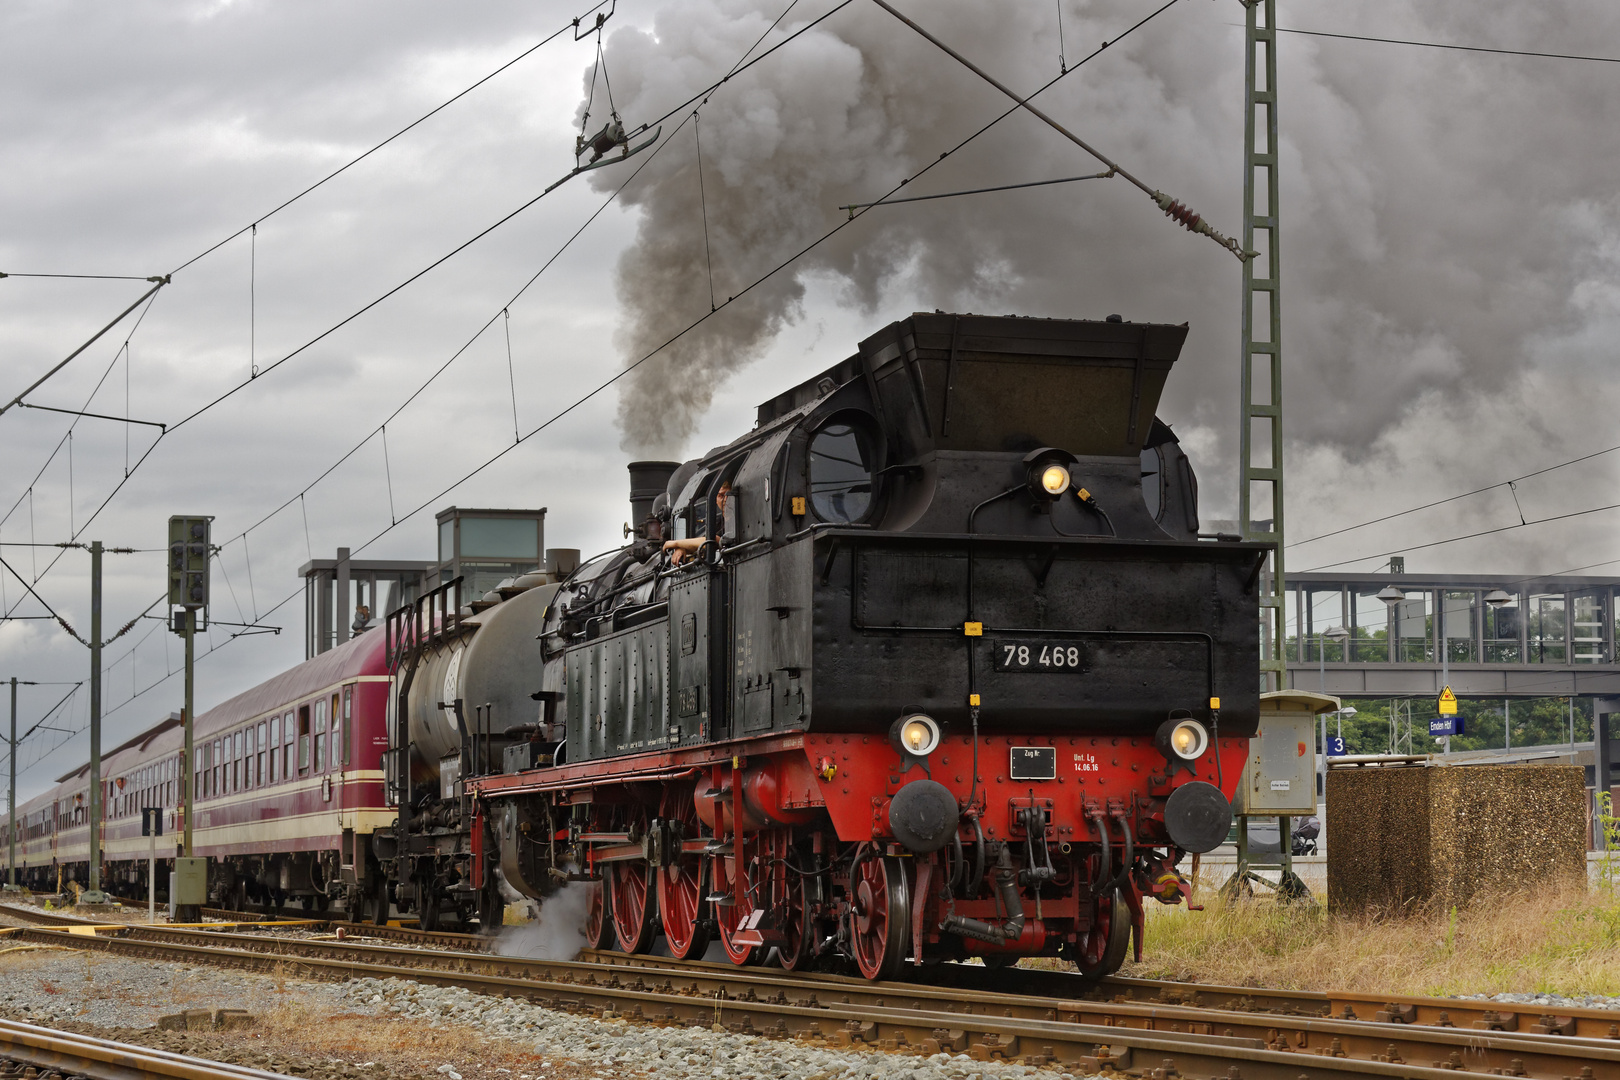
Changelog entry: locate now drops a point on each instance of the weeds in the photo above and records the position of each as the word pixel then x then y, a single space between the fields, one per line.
pixel 1562 940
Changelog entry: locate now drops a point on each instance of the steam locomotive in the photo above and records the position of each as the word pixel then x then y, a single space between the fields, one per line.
pixel 932 663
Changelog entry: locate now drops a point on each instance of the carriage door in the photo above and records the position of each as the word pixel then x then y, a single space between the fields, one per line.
pixel 338 761
pixel 698 657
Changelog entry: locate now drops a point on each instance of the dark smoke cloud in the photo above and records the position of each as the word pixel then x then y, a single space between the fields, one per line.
pixel 1449 220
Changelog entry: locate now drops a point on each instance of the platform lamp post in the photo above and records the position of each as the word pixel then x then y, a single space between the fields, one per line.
pixel 1495 600
pixel 1339 634
pixel 1392 596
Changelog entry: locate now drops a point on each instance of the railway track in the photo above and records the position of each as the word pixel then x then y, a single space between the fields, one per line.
pixel 1209 1037
pixel 30 1051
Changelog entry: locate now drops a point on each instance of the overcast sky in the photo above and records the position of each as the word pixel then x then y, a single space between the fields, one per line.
pixel 1451 239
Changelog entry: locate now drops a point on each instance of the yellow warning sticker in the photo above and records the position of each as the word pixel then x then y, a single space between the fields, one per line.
pixel 1448 702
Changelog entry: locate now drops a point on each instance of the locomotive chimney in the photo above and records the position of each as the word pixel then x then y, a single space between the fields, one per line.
pixel 647 481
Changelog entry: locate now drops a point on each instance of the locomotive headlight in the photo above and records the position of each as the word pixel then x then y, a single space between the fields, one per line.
pixel 1048 474
pixel 915 734
pixel 1184 739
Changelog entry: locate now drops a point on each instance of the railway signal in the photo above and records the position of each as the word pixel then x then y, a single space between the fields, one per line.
pixel 189 555
pixel 190 550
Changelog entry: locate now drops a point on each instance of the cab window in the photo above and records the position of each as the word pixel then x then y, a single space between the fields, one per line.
pixel 840 473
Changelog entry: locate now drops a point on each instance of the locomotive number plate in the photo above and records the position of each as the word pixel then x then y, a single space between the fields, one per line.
pixel 1033 763
pixel 1039 656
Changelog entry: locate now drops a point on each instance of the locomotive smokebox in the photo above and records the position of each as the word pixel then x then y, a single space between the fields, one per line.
pixel 923 815
pixel 648 479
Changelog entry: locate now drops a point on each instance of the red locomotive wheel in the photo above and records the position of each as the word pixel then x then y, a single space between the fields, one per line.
pixel 794 953
pixel 598 924
pixel 880 914
pixel 1102 948
pixel 633 901
pixel 680 884
pixel 721 867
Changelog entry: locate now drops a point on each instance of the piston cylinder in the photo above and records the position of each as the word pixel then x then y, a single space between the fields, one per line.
pixel 765 797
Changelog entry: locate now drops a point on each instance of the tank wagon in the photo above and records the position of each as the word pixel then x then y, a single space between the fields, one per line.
pixel 931 663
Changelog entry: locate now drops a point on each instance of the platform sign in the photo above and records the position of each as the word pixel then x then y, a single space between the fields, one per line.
pixel 1448 703
pixel 1442 726
pixel 1335 746
pixel 151 821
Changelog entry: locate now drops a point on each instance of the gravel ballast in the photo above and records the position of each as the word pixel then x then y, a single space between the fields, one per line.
pixel 492 1038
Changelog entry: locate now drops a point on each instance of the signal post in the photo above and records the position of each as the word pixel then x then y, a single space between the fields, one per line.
pixel 190 551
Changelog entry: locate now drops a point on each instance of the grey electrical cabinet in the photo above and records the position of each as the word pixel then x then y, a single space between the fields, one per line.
pixel 1280 775
pixel 188 883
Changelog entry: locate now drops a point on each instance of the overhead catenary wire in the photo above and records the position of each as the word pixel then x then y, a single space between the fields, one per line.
pixel 1465 536
pixel 93 416
pixel 159 282
pixel 1456 498
pixel 65 625
pixel 1172 208
pixel 511 374
pixel 772 272
pixel 388 472
pixel 130 470
pixel 141 460
pixel 253 302
pixel 1449 46
pixel 346 166
pixel 505 311
pixel 703 203
pixel 852 207
pixel 300 496
pixel 35 385
pixel 82 277
pixel 29 493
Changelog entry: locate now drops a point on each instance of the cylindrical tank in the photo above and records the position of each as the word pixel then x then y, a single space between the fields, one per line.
pixel 494 670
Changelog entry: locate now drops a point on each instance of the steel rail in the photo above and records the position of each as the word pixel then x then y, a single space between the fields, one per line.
pixel 54 1053
pixel 1067 989
pixel 469 942
pixel 995 1023
pixel 1064 990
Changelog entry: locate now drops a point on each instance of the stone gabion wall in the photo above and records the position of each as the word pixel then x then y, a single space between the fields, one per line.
pixel 1412 836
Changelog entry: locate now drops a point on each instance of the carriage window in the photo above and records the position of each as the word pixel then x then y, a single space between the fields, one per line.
pixel 320 735
pixel 348 721
pixel 291 741
pixel 303 738
pixel 840 474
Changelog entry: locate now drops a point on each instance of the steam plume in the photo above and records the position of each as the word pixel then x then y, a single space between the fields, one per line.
pixel 1450 229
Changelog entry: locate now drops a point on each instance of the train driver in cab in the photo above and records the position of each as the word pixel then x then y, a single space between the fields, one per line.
pixel 679 550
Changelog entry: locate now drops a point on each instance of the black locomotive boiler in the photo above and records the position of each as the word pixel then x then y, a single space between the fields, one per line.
pixel 931 663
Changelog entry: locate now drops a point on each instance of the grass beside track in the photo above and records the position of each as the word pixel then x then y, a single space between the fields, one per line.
pixel 1552 941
